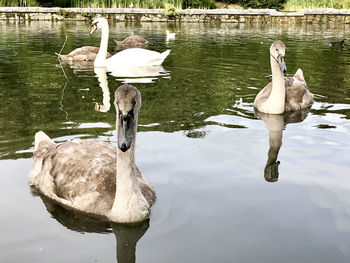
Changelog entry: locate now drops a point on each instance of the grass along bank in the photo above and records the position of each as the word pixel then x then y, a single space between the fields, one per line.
pixel 290 5
pixel 109 3
pixel 293 5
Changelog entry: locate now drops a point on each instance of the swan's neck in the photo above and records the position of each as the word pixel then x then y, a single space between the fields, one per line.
pixel 100 60
pixel 129 204
pixel 277 96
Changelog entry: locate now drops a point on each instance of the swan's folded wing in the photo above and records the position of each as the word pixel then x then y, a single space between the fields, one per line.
pixel 146 188
pixel 83 173
pixel 84 49
pixel 298 95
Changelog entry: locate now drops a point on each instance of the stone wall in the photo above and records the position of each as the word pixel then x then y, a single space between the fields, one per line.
pixel 188 15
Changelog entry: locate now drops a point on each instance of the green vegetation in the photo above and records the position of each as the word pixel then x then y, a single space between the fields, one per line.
pixel 178 4
pixel 278 4
pixel 170 10
pixel 198 3
pixel 18 3
pixel 299 4
pixel 111 3
pixel 97 3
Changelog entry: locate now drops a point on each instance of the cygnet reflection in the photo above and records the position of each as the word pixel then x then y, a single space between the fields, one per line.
pixel 79 65
pixel 127 235
pixel 275 123
pixel 102 78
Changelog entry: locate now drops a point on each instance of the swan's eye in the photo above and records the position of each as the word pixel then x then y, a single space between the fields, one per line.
pixel 276 49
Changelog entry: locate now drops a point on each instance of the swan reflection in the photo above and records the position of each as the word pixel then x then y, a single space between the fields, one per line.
pixel 144 74
pixel 102 78
pixel 275 123
pixel 126 235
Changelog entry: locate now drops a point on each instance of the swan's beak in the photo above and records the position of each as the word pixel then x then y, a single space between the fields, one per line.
pixel 93 28
pixel 282 63
pixel 125 133
pixel 97 106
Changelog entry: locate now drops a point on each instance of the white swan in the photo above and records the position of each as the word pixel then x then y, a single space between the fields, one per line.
pixel 284 93
pixel 132 57
pixel 94 177
pixel 170 36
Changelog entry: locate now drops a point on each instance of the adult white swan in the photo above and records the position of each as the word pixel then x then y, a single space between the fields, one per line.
pixel 132 57
pixel 94 177
pixel 284 93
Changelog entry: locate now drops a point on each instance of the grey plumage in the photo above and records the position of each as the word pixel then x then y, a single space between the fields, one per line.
pixel 82 174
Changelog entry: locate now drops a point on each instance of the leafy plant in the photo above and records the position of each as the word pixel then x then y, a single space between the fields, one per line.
pixel 170 10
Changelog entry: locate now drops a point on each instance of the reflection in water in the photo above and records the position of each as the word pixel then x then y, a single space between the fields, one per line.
pixel 127 238
pixel 275 124
pixel 146 74
pixel 61 102
pixel 79 65
pixel 127 235
pixel 103 82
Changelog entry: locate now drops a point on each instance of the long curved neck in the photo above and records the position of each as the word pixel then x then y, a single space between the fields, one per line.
pixel 276 100
pixel 100 60
pixel 129 204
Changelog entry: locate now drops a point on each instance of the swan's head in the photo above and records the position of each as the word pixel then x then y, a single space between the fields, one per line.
pixel 278 51
pixel 127 105
pixel 99 22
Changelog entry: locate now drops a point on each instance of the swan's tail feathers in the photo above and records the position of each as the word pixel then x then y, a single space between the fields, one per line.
pixel 61 57
pixel 299 75
pixel 42 137
pixel 165 54
pixel 42 145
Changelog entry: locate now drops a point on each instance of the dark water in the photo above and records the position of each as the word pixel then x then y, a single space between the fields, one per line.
pixel 199 143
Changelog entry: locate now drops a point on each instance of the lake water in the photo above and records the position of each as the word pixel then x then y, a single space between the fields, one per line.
pixel 199 143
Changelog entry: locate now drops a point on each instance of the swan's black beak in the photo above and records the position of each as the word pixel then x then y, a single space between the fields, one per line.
pixel 93 28
pixel 125 133
pixel 282 63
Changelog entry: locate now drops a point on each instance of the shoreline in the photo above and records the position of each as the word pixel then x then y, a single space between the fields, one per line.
pixel 326 15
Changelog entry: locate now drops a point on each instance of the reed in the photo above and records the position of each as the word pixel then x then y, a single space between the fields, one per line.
pixel 300 4
pixel 98 3
pixel 18 3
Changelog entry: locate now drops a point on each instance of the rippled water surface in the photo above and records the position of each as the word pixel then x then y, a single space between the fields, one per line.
pixel 231 186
